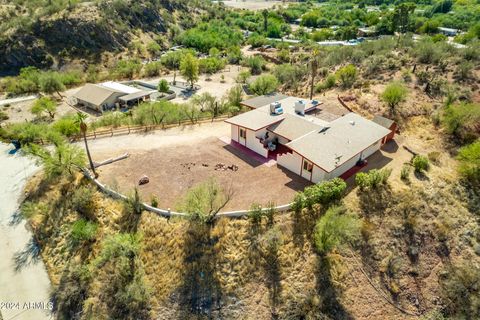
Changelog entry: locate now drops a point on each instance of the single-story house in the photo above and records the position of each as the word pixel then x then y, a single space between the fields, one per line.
pixel 311 147
pixel 109 95
pixel 367 32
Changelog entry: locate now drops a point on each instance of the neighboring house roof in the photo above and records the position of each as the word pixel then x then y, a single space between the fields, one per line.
pixel 134 96
pixel 261 101
pixel 384 122
pixel 95 94
pixel 293 127
pixel 451 30
pixel 341 140
pixel 120 87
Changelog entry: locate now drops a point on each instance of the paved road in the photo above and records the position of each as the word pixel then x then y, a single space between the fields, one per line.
pixel 23 278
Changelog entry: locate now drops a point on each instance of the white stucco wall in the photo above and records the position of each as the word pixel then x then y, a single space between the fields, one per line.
pixel 291 161
pixel 254 144
pixel 353 161
pixel 234 132
pixel 318 174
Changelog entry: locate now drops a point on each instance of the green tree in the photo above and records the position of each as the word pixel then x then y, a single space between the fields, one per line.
pixel 347 75
pixel 163 86
pixel 64 159
pixel 80 120
pixel 265 20
pixel 189 69
pixel 203 201
pixel 50 83
pixel 394 94
pixel 401 16
pixel 335 228
pixel 264 84
pixel 44 105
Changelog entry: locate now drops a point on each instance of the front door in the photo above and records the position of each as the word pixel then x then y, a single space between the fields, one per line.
pixel 307 168
pixel 242 136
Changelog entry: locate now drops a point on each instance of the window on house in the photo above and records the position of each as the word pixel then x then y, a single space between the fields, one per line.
pixel 243 133
pixel 307 165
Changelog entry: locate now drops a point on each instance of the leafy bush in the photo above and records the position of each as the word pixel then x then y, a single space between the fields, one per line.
pixel 153 69
pixel 211 65
pixel 334 229
pixel 83 231
pixel 405 173
pixel 215 34
pixel 393 95
pixel 324 193
pixel 264 84
pixel 255 63
pixel 255 214
pixel 462 121
pixel 328 83
pixel 420 163
pixel 44 105
pixel 373 178
pixel 163 86
pixel 347 75
pixel 469 157
pixel 82 201
pixel 127 68
pixel 290 75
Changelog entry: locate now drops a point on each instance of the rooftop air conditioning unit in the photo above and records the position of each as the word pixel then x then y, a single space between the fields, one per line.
pixel 276 108
pixel 300 107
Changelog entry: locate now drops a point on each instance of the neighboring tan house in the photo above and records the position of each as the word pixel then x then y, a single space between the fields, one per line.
pixel 311 147
pixel 109 95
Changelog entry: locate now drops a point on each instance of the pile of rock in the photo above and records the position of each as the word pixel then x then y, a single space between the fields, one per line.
pixel 224 167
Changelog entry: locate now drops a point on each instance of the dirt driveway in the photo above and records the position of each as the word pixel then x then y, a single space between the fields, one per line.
pixel 173 168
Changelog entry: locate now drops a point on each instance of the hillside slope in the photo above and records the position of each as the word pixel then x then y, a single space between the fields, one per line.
pixel 51 33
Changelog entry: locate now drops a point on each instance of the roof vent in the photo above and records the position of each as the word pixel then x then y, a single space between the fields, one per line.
pixel 324 129
pixel 352 123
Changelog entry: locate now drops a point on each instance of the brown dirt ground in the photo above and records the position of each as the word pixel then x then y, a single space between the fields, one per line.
pixel 174 169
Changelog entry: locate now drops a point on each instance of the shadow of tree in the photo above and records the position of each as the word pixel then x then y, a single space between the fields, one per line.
pixel 331 306
pixel 28 256
pixel 200 292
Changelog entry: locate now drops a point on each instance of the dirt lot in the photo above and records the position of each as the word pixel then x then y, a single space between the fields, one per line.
pixel 177 159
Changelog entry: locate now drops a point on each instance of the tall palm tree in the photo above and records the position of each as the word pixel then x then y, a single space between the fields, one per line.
pixel 80 120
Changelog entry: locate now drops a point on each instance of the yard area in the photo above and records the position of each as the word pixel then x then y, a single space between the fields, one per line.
pixel 177 159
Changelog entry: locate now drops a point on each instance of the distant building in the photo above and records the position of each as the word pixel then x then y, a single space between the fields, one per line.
pixel 282 127
pixel 367 32
pixel 449 32
pixel 109 95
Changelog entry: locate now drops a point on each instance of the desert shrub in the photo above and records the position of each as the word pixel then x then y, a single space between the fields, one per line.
pixel 256 40
pixel 44 105
pixel 154 48
pixel 462 121
pixel 152 69
pixel 299 202
pixel 127 68
pixel 133 203
pixel 154 202
pixel 163 86
pixel 110 119
pixel 243 77
pixel 461 291
pixel 373 178
pixel 25 132
pixel 290 75
pixel 3 116
pixel 347 75
pixel 405 173
pixel 255 63
pixel 211 65
pixel 469 157
pixel 394 94
pixel 264 84
pixel 420 163
pixel 324 193
pixel 83 202
pixel 334 229
pixel 326 84
pixel 83 231
pixel 464 70
pixel 255 214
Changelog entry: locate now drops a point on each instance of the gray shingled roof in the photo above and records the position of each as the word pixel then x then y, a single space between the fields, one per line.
pixel 345 137
pixel 261 101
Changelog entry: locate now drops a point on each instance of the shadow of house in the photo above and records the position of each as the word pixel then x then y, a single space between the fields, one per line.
pixel 251 161
pixel 200 292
